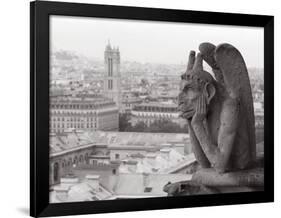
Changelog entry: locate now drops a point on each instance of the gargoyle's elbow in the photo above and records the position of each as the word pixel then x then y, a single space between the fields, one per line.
pixel 220 169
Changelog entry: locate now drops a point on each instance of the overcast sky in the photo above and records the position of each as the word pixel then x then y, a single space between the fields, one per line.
pixel 150 41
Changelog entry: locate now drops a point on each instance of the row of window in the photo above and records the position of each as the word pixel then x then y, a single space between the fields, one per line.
pixel 55 126
pixel 156 115
pixel 75 119
pixel 77 113
pixel 76 160
pixel 154 109
pixel 81 120
pixel 79 106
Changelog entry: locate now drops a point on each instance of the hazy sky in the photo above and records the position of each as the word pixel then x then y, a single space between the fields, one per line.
pixel 150 41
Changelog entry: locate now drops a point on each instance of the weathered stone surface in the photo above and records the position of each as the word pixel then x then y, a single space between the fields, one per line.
pixel 221 123
pixel 188 188
pixel 208 181
pixel 219 110
pixel 250 178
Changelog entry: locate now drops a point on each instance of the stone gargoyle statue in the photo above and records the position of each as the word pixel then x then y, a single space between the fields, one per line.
pixel 220 116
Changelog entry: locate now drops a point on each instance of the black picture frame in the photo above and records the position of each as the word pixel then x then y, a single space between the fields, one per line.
pixel 39 107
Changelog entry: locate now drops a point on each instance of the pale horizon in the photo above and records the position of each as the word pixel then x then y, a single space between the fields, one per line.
pixel 151 41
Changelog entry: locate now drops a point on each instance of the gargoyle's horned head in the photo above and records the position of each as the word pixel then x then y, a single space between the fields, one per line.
pixel 194 83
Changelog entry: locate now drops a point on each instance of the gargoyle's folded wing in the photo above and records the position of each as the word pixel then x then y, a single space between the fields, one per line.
pixel 237 84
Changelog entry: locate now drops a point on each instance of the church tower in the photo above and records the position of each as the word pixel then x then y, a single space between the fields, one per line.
pixel 112 86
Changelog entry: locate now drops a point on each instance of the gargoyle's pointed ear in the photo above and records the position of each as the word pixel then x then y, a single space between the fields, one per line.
pixel 191 60
pixel 198 65
pixel 209 92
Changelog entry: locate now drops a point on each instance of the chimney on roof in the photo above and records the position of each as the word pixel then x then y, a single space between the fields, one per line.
pixel 68 180
pixel 183 148
pixel 132 165
pixel 165 153
pixel 151 157
pixel 94 181
pixel 61 192
pixel 145 179
pixel 166 145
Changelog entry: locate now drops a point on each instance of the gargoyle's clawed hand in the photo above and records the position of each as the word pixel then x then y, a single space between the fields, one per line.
pixel 201 110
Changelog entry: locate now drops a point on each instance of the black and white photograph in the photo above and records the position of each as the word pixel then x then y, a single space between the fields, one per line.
pixel 145 109
pixel 141 108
